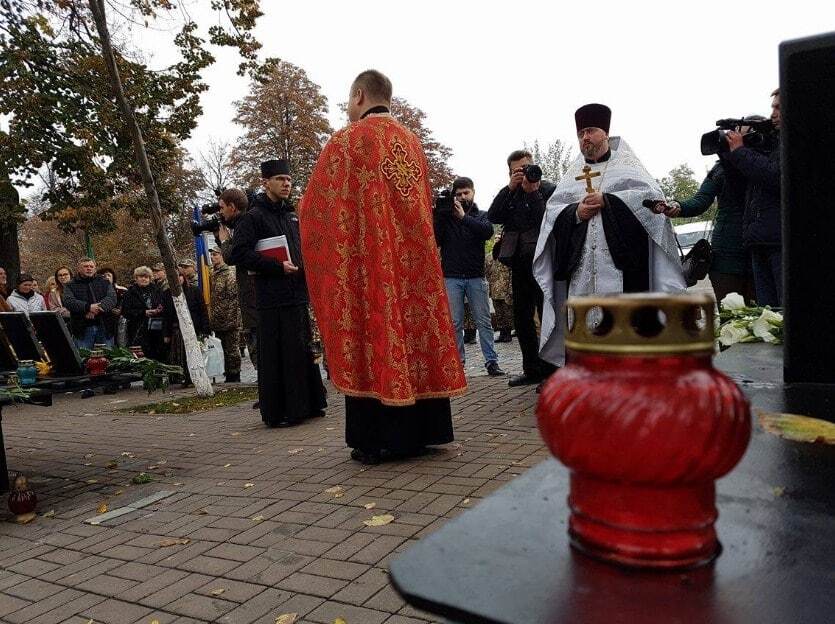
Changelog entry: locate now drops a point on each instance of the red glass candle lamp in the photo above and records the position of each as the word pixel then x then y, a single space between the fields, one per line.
pixel 646 425
pixel 97 363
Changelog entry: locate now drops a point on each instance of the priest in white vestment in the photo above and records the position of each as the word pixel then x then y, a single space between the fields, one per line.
pixel 598 235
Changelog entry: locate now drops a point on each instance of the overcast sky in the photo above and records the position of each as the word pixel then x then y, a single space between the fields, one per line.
pixel 493 75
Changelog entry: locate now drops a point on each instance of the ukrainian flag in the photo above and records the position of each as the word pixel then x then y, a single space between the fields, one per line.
pixel 204 265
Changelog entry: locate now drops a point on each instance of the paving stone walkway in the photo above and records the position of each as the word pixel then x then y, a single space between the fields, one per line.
pixel 256 523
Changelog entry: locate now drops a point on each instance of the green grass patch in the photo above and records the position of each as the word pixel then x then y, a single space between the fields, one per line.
pixel 188 405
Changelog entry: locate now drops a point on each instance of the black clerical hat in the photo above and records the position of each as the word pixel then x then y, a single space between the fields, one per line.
pixel 274 167
pixel 593 116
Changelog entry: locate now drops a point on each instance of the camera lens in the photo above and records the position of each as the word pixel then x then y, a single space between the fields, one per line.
pixel 533 173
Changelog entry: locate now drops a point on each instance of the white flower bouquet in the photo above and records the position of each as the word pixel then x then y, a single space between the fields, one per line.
pixel 739 322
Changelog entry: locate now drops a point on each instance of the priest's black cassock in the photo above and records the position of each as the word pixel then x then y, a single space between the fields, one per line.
pixel 289 381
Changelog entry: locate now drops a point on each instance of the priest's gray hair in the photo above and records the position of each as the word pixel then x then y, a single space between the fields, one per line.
pixel 374 84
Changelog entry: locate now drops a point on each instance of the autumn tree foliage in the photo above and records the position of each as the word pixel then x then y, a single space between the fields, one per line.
pixel 437 154
pixel 555 158
pixel 104 121
pixel 283 116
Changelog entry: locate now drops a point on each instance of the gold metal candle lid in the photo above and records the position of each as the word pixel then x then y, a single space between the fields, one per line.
pixel 640 324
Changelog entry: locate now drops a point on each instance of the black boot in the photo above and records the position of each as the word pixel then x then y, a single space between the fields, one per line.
pixel 233 378
pixel 469 336
pixel 504 336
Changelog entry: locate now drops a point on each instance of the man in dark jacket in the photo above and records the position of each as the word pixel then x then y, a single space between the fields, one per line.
pixel 289 381
pixel 89 298
pixel 233 204
pixel 519 207
pixel 461 230
pixel 762 222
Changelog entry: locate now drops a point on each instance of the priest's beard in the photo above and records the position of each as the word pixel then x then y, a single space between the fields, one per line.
pixel 593 150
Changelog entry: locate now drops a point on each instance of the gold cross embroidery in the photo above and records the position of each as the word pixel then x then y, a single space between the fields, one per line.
pixel 403 171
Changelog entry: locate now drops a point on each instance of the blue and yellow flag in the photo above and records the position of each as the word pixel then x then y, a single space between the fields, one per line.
pixel 204 265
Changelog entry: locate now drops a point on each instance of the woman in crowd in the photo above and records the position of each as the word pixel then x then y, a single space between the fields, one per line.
pixel 25 298
pixel 142 306
pixel 55 291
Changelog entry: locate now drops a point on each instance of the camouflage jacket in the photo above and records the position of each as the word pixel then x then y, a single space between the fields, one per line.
pixel 226 312
pixel 498 278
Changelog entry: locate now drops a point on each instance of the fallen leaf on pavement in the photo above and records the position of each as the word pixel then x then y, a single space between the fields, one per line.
pixel 778 491
pixel 127 454
pixel 102 508
pixel 226 465
pixel 174 541
pixel 286 618
pixel 799 428
pixel 235 434
pixel 339 621
pixel 336 489
pixel 466 501
pixel 91 481
pixel 25 518
pixel 201 512
pixel 88 456
pixel 117 492
pixel 217 592
pixel 379 520
pixel 248 485
pixel 294 451
pixel 49 514
pixel 177 483
pixel 370 505
pixel 111 464
pixel 258 519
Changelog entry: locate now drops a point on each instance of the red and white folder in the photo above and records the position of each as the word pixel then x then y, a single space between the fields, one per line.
pixel 274 247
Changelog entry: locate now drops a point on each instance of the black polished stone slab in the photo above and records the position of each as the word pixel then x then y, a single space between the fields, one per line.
pixel 21 336
pixel 508 560
pixel 56 339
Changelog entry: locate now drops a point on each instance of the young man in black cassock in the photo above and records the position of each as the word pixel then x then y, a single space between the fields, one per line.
pixel 289 381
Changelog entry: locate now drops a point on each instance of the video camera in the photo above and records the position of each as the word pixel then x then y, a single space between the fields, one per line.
pixel 445 203
pixel 213 221
pixel 761 134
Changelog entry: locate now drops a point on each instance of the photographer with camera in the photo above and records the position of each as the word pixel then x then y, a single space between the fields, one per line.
pixel 519 207
pixel 762 222
pixel 730 264
pixel 461 231
pixel 232 204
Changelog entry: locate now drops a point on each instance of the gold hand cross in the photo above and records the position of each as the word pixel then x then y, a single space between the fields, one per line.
pixel 587 176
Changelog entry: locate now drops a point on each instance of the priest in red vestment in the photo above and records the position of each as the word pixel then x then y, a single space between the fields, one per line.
pixel 375 281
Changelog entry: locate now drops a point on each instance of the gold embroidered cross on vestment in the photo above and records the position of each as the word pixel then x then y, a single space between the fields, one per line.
pixel 403 171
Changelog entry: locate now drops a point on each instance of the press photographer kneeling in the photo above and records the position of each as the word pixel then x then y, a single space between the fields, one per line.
pixel 461 231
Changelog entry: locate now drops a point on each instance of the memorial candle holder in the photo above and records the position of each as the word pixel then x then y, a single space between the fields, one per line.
pixel 646 425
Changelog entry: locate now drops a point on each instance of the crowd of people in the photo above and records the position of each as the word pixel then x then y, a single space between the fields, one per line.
pixel 400 279
pixel 98 310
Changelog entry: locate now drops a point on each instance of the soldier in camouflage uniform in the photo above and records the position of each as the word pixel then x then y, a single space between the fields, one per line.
pixel 226 314
pixel 498 279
